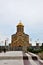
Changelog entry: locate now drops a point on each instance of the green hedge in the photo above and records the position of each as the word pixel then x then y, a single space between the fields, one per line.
pixel 34 51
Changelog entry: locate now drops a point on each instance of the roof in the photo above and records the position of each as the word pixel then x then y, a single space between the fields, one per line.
pixel 20 24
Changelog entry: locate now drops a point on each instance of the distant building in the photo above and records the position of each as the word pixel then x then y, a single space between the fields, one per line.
pixel 37 44
pixel 42 44
pixel 20 40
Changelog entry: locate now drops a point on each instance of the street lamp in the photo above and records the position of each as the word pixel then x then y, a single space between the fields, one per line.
pixel 6 41
pixel 1 45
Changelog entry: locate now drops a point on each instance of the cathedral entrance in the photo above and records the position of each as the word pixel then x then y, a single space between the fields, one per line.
pixel 19 48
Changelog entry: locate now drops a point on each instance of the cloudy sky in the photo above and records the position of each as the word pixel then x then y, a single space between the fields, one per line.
pixel 30 12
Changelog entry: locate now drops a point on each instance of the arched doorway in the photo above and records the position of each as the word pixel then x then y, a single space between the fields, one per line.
pixel 18 48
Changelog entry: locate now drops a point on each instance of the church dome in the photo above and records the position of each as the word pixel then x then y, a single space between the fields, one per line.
pixel 20 24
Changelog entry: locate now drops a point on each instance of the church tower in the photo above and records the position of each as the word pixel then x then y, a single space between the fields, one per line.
pixel 20 27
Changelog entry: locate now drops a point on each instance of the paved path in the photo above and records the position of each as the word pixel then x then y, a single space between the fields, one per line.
pixel 19 58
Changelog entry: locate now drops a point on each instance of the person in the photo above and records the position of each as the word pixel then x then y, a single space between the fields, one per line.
pixel 4 50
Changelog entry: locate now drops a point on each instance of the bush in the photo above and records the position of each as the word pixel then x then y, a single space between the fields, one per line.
pixel 34 50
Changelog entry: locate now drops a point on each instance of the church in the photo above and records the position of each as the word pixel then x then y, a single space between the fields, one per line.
pixel 20 40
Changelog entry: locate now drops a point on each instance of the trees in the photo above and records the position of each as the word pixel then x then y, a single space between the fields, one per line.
pixel 42 47
pixel 34 50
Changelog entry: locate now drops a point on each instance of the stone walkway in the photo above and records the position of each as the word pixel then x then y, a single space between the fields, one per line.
pixel 19 58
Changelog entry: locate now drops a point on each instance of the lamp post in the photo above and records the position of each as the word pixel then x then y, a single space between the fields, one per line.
pixel 38 41
pixel 1 45
pixel 6 41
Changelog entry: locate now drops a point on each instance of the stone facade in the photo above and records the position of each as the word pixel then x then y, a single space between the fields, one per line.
pixel 20 40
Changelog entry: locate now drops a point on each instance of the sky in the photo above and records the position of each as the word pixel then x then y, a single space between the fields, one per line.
pixel 30 12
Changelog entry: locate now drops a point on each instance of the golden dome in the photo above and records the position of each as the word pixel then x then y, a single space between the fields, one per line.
pixel 20 24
